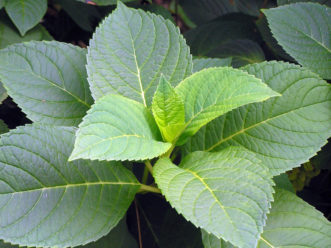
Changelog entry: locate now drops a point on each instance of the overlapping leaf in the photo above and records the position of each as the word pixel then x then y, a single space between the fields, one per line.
pixel 9 35
pixel 129 52
pixel 291 223
pixel 118 128
pixel 3 93
pixel 283 131
pixel 47 80
pixel 304 31
pixel 204 63
pixel 47 201
pixel 3 127
pixel 227 193
pixel 26 14
pixel 168 110
pixel 212 92
pixel 106 2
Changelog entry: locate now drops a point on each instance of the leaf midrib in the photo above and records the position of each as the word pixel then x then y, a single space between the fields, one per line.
pixel 86 184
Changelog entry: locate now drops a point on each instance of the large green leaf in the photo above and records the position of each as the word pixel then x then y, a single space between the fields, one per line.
pixel 225 30
pixel 168 110
pixel 204 63
pixel 118 128
pixel 283 131
pixel 119 237
pixel 129 52
pixel 206 10
pixel 304 31
pixel 105 2
pixel 47 201
pixel 282 2
pixel 26 14
pixel 212 92
pixel 3 127
pixel 47 80
pixel 291 223
pixel 226 193
pixel 3 93
pixel 9 35
pixel 294 223
pixel 242 52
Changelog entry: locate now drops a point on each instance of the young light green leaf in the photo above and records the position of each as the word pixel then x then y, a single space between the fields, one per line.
pixel 283 131
pixel 129 52
pixel 307 40
pixel 204 63
pixel 168 110
pixel 3 127
pixel 26 14
pixel 118 128
pixel 47 201
pixel 232 185
pixel 213 92
pixel 47 80
pixel 291 223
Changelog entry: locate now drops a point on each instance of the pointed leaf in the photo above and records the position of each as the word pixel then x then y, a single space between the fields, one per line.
pixel 308 39
pixel 26 14
pixel 212 92
pixel 283 131
pixel 168 110
pixel 3 127
pixel 130 50
pixel 231 185
pixel 47 80
pixel 204 63
pixel 47 201
pixel 118 128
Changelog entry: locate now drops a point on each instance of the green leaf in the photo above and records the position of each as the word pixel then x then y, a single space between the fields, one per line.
pixel 282 181
pixel 282 2
pixel 284 131
pixel 232 185
pixel 308 40
pixel 2 3
pixel 242 52
pixel 3 93
pixel 106 2
pixel 158 10
pixel 294 223
pixel 168 110
pixel 225 30
pixel 212 92
pixel 3 127
pixel 47 201
pixel 210 241
pixel 119 237
pixel 9 35
pixel 26 14
pixel 129 52
pixel 202 11
pixel 118 128
pixel 204 63
pixel 47 80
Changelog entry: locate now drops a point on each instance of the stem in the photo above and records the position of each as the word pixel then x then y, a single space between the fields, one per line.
pixel 149 166
pixel 144 188
pixel 138 224
pixel 145 175
pixel 168 153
